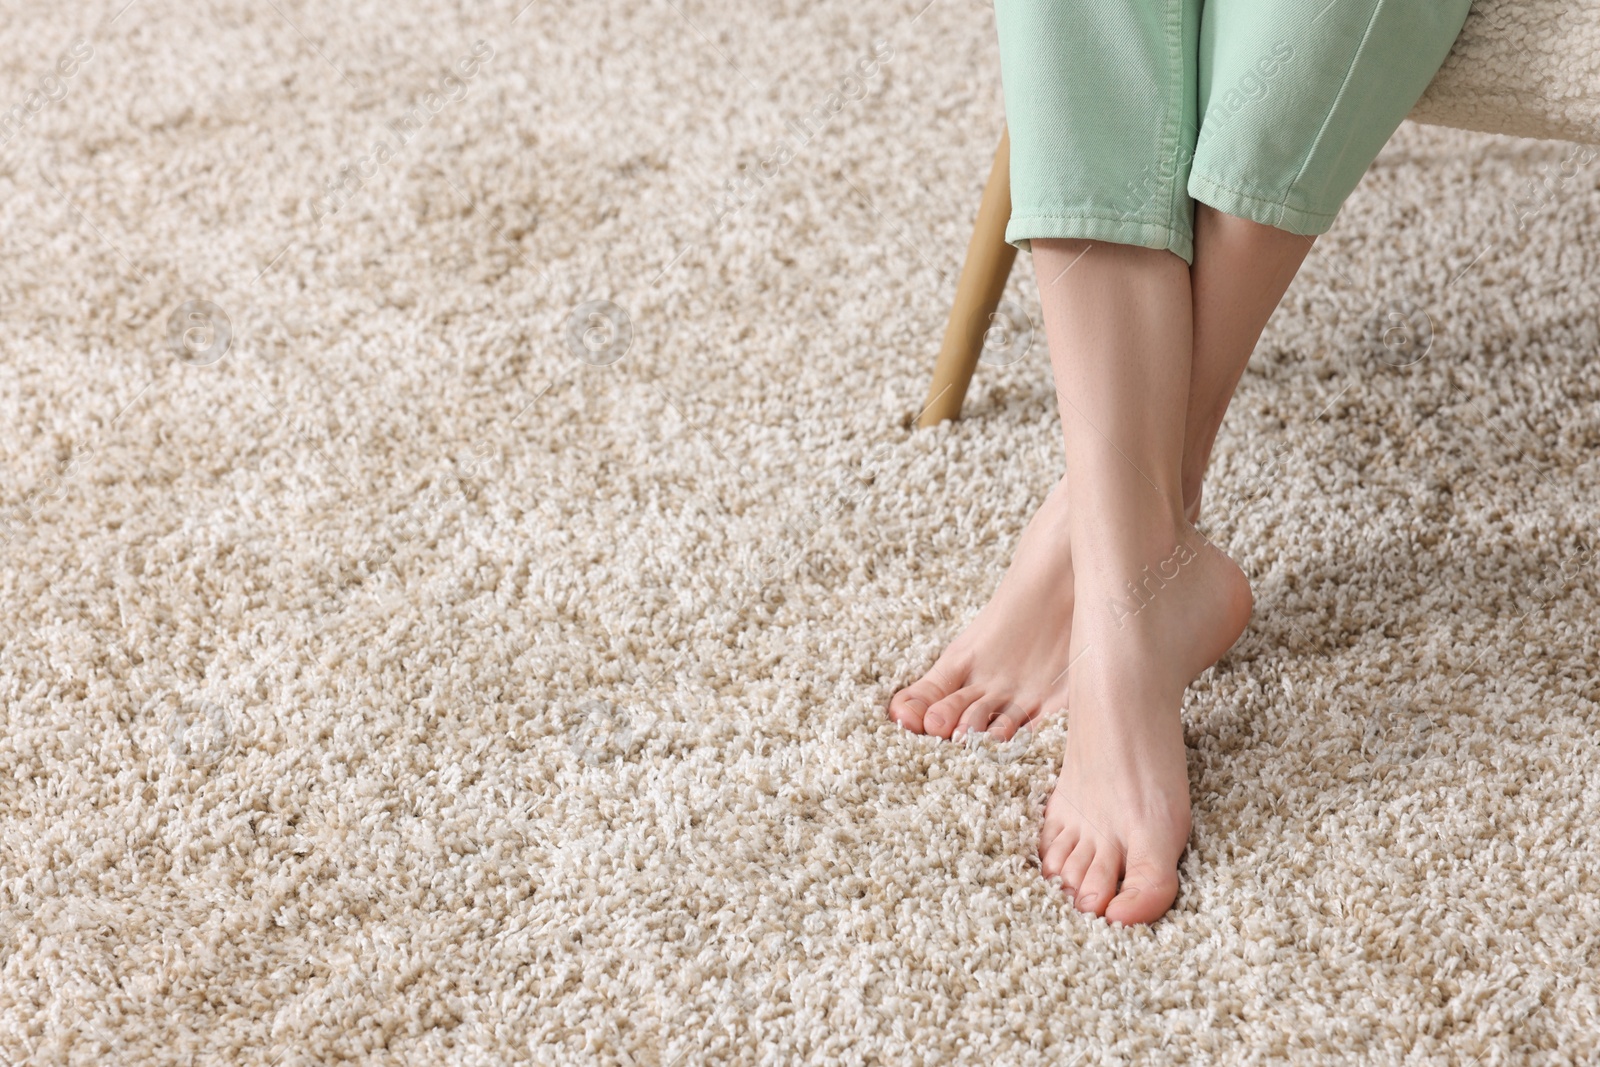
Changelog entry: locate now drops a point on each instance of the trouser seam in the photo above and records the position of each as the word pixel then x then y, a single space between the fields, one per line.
pixel 1344 84
pixel 1281 205
pixel 1130 220
pixel 1172 128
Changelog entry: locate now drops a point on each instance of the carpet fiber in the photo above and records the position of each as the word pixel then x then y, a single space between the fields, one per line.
pixel 458 549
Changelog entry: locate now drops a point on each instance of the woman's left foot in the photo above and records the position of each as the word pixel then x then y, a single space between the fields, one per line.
pixel 1010 665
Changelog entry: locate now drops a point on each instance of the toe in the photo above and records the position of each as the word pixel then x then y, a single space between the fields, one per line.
pixel 912 703
pixel 1057 817
pixel 1051 831
pixel 1054 850
pixel 944 714
pixel 1099 882
pixel 1011 717
pixel 1077 864
pixel 978 715
pixel 1148 890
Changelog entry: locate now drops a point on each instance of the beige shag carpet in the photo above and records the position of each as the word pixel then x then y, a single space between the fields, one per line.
pixel 398 666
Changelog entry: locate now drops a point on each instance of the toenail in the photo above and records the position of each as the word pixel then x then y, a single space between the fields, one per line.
pixel 1088 901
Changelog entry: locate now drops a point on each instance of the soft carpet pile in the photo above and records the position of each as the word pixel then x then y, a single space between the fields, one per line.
pixel 458 548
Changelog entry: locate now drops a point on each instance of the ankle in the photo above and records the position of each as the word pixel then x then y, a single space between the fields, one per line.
pixel 1191 483
pixel 1111 554
pixel 1192 470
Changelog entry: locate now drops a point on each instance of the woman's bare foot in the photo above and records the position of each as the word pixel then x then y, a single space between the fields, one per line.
pixel 1146 353
pixel 1147 624
pixel 1008 667
pixel 1010 664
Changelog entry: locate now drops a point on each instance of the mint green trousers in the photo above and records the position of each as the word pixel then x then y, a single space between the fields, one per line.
pixel 1123 113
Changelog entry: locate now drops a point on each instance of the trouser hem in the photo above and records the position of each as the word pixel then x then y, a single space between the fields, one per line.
pixel 1022 228
pixel 1259 209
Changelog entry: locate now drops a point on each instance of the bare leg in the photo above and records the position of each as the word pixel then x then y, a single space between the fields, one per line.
pixel 1007 667
pixel 1156 604
pixel 1241 271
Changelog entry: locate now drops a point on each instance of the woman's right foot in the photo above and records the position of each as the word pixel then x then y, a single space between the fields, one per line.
pixel 1118 817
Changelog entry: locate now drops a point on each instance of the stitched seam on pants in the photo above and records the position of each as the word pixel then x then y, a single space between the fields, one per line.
pixel 1102 218
pixel 1241 194
pixel 1175 238
pixel 1372 20
pixel 1174 104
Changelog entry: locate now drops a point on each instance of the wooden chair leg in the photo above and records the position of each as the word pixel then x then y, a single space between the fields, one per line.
pixel 983 279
